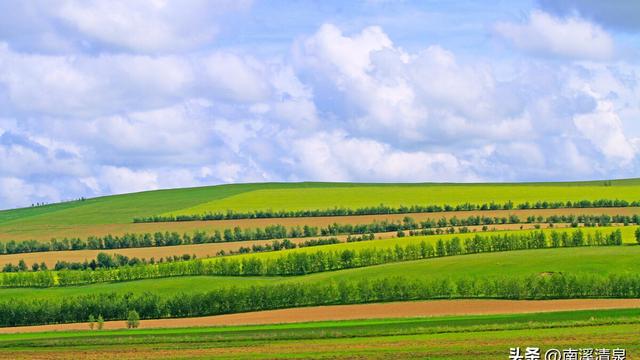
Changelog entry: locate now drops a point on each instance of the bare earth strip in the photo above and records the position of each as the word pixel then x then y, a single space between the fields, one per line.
pixel 406 309
pixel 200 250
pixel 46 232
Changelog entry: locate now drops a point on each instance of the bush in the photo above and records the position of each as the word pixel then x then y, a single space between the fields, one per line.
pixel 133 319
pixel 92 321
pixel 100 322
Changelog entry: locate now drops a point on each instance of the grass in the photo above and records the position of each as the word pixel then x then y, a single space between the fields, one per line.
pixel 585 260
pixel 484 337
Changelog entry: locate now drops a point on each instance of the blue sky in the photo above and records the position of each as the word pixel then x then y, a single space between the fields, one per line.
pixel 104 97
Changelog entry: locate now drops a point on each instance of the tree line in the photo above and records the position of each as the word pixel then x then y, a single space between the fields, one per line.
pixel 300 263
pixel 118 306
pixel 427 227
pixel 109 261
pixel 384 209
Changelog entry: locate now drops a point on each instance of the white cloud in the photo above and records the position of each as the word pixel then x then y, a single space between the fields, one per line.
pixel 120 180
pixel 337 157
pixel 16 192
pixel 92 85
pixel 403 97
pixel 235 78
pixel 604 129
pixel 344 56
pixel 569 37
pixel 147 25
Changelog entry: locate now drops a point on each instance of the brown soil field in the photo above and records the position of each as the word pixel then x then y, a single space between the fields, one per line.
pixel 200 250
pixel 42 232
pixel 362 311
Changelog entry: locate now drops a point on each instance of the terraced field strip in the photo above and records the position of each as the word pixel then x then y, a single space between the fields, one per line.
pixel 211 249
pixel 411 194
pixel 45 232
pixel 407 309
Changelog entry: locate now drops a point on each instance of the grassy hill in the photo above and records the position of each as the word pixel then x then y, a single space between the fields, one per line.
pixel 80 217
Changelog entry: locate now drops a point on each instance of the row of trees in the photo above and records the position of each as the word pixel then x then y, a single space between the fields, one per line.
pixel 300 263
pixel 118 306
pixel 428 227
pixel 384 209
pixel 109 261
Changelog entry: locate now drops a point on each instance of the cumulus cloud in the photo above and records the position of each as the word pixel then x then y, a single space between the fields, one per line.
pixel 144 26
pixel 124 180
pixel 16 192
pixel 604 129
pixel 337 157
pixel 91 85
pixel 570 37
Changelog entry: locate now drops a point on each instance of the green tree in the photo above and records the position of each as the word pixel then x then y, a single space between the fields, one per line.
pixel 92 321
pixel 638 235
pixel 133 319
pixel 440 248
pixel 100 322
pixel 22 266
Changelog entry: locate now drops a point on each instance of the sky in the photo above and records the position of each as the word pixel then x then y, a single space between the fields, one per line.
pixel 107 97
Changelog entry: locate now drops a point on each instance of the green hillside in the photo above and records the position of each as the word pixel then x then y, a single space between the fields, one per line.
pixel 308 195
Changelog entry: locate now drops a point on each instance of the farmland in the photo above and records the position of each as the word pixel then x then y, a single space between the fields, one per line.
pixel 533 258
pixel 353 197
pixel 457 337
pixel 212 249
pixel 516 264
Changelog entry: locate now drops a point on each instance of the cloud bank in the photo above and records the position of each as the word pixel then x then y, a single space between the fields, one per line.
pixel 143 98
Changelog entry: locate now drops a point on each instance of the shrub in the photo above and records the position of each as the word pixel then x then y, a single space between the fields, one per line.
pixel 133 319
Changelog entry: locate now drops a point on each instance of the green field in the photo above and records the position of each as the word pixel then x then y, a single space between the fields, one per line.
pixel 462 337
pixel 584 260
pixel 397 195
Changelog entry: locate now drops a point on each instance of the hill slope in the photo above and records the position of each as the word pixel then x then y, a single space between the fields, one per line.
pixel 44 221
